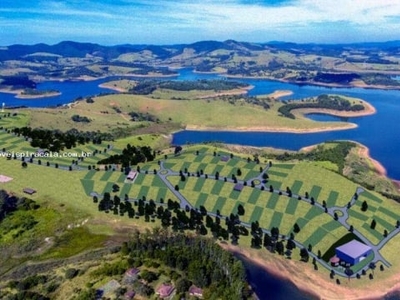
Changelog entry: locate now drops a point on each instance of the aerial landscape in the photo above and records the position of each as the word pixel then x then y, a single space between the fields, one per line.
pixel 214 150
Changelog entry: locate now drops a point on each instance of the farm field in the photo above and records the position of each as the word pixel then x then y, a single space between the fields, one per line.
pixel 207 177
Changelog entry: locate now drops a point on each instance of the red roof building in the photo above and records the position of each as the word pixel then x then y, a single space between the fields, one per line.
pixel 165 290
pixel 195 291
pixel 132 175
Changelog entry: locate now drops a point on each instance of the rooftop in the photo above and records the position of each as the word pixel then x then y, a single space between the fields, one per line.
pixel 165 290
pixel 196 291
pixel 29 191
pixel 238 187
pixel 354 248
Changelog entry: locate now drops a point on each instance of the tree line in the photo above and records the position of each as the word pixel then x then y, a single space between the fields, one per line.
pixel 56 140
pixel 148 86
pixel 322 101
pixel 131 155
pixel 336 154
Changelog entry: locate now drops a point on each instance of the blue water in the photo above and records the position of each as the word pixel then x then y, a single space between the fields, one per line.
pixel 379 132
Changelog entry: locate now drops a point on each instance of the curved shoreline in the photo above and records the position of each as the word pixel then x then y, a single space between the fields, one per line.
pixel 19 94
pixel 369 110
pixel 272 129
pixel 329 85
pixel 309 281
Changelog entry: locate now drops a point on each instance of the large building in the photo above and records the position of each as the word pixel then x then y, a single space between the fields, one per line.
pixel 353 252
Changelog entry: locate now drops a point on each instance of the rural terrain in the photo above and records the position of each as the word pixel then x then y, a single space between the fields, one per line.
pixel 95 201
pixel 354 65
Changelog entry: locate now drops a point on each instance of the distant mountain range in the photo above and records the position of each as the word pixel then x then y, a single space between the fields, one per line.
pixel 75 49
pixel 358 64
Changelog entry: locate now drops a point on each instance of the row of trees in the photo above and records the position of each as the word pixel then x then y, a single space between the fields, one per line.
pixel 322 101
pixel 56 140
pixel 131 155
pixel 148 86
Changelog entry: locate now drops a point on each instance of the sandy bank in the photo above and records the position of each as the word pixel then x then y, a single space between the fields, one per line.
pixel 334 85
pixel 270 128
pixel 314 282
pixel 22 96
pixel 19 94
pixel 280 93
pixel 364 152
pixel 112 87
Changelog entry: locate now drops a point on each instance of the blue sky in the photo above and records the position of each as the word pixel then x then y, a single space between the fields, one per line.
pixel 113 22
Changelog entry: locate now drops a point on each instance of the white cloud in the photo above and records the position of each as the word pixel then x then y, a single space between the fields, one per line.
pixel 185 20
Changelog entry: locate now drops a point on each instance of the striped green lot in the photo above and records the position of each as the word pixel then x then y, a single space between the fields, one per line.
pixel 277 173
pixel 201 200
pixel 257 213
pixel 219 204
pixel 273 199
pixel 315 191
pixel 333 195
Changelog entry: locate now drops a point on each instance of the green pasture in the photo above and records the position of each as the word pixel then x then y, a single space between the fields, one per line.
pixel 385 213
pixel 197 113
pixel 208 163
pixel 319 183
pixel 269 209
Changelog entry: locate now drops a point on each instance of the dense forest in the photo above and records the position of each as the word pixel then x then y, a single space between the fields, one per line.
pixel 130 155
pixel 336 154
pixel 56 140
pixel 322 101
pixel 201 261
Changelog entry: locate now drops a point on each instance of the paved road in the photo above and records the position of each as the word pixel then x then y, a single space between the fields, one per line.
pixel 164 173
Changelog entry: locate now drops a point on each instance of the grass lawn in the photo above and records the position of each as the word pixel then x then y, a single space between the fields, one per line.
pixel 312 175
pixel 196 113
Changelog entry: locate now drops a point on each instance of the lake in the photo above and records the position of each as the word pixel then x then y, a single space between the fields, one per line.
pixel 379 132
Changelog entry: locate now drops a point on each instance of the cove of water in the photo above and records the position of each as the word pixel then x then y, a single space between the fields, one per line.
pixel 269 286
pixel 379 132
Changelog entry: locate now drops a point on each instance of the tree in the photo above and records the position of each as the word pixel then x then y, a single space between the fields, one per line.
pixel 373 224
pixel 24 164
pixel 182 285
pixel 239 172
pixel 304 255
pixel 351 229
pixel 177 150
pixel 280 247
pixel 372 266
pixel 290 245
pixel 364 206
pixel 177 188
pixel 240 210
pixel 335 216
pixel 296 228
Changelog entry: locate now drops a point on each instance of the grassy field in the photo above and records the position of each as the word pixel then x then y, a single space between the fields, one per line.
pixel 192 113
pixel 317 181
pixel 68 208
